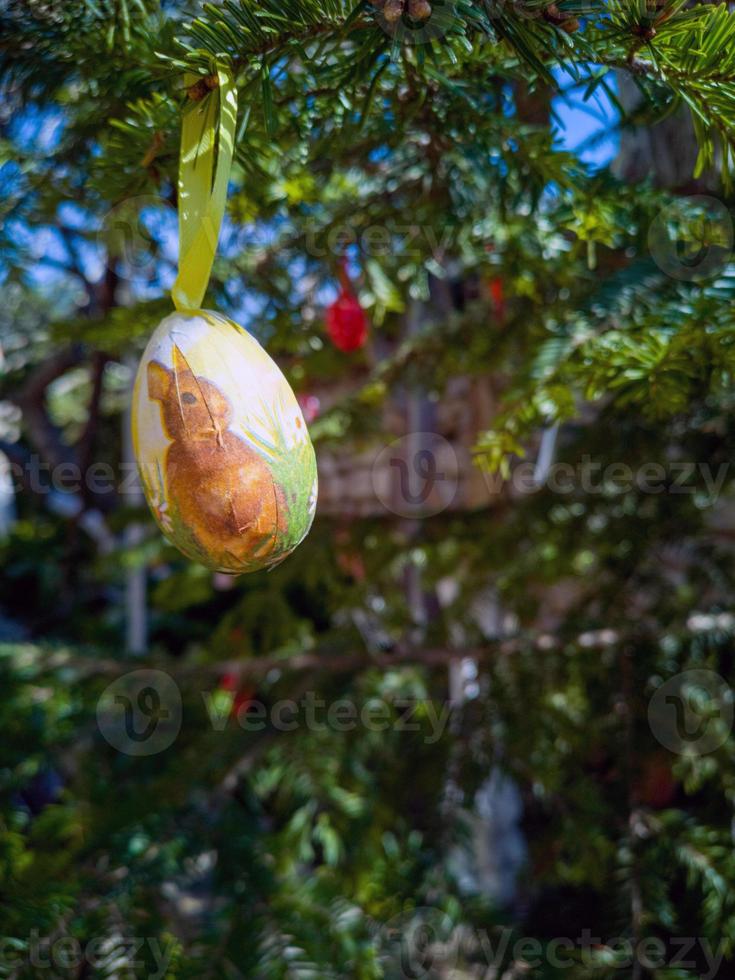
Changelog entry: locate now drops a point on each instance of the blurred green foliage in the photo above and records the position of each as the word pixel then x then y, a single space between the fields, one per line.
pixel 316 852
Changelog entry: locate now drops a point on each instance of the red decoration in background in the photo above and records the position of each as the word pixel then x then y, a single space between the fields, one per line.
pixel 655 783
pixel 347 324
pixel 497 289
pixel 242 696
pixel 497 295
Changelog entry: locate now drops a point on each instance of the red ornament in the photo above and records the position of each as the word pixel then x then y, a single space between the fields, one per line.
pixel 497 295
pixel 655 784
pixel 347 324
pixel 242 697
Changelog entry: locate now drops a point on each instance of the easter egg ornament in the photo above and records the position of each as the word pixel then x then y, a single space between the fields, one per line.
pixel 224 455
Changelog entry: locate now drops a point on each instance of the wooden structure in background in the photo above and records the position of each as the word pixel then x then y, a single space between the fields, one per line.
pixel 422 464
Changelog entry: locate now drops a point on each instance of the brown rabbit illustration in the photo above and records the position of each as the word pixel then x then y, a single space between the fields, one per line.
pixel 221 486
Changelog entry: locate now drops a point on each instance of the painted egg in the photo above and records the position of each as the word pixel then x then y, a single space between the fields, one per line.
pixel 223 451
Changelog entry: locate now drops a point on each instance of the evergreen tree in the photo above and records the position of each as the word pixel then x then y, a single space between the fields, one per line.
pixel 419 142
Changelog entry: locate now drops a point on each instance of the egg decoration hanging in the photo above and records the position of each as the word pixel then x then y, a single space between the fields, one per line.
pixel 224 455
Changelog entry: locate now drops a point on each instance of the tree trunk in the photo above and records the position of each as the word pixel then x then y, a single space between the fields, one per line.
pixel 666 152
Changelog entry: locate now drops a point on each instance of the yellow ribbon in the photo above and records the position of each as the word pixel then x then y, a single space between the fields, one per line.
pixel 207 143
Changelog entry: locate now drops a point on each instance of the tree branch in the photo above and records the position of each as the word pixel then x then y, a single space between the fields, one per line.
pixel 31 399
